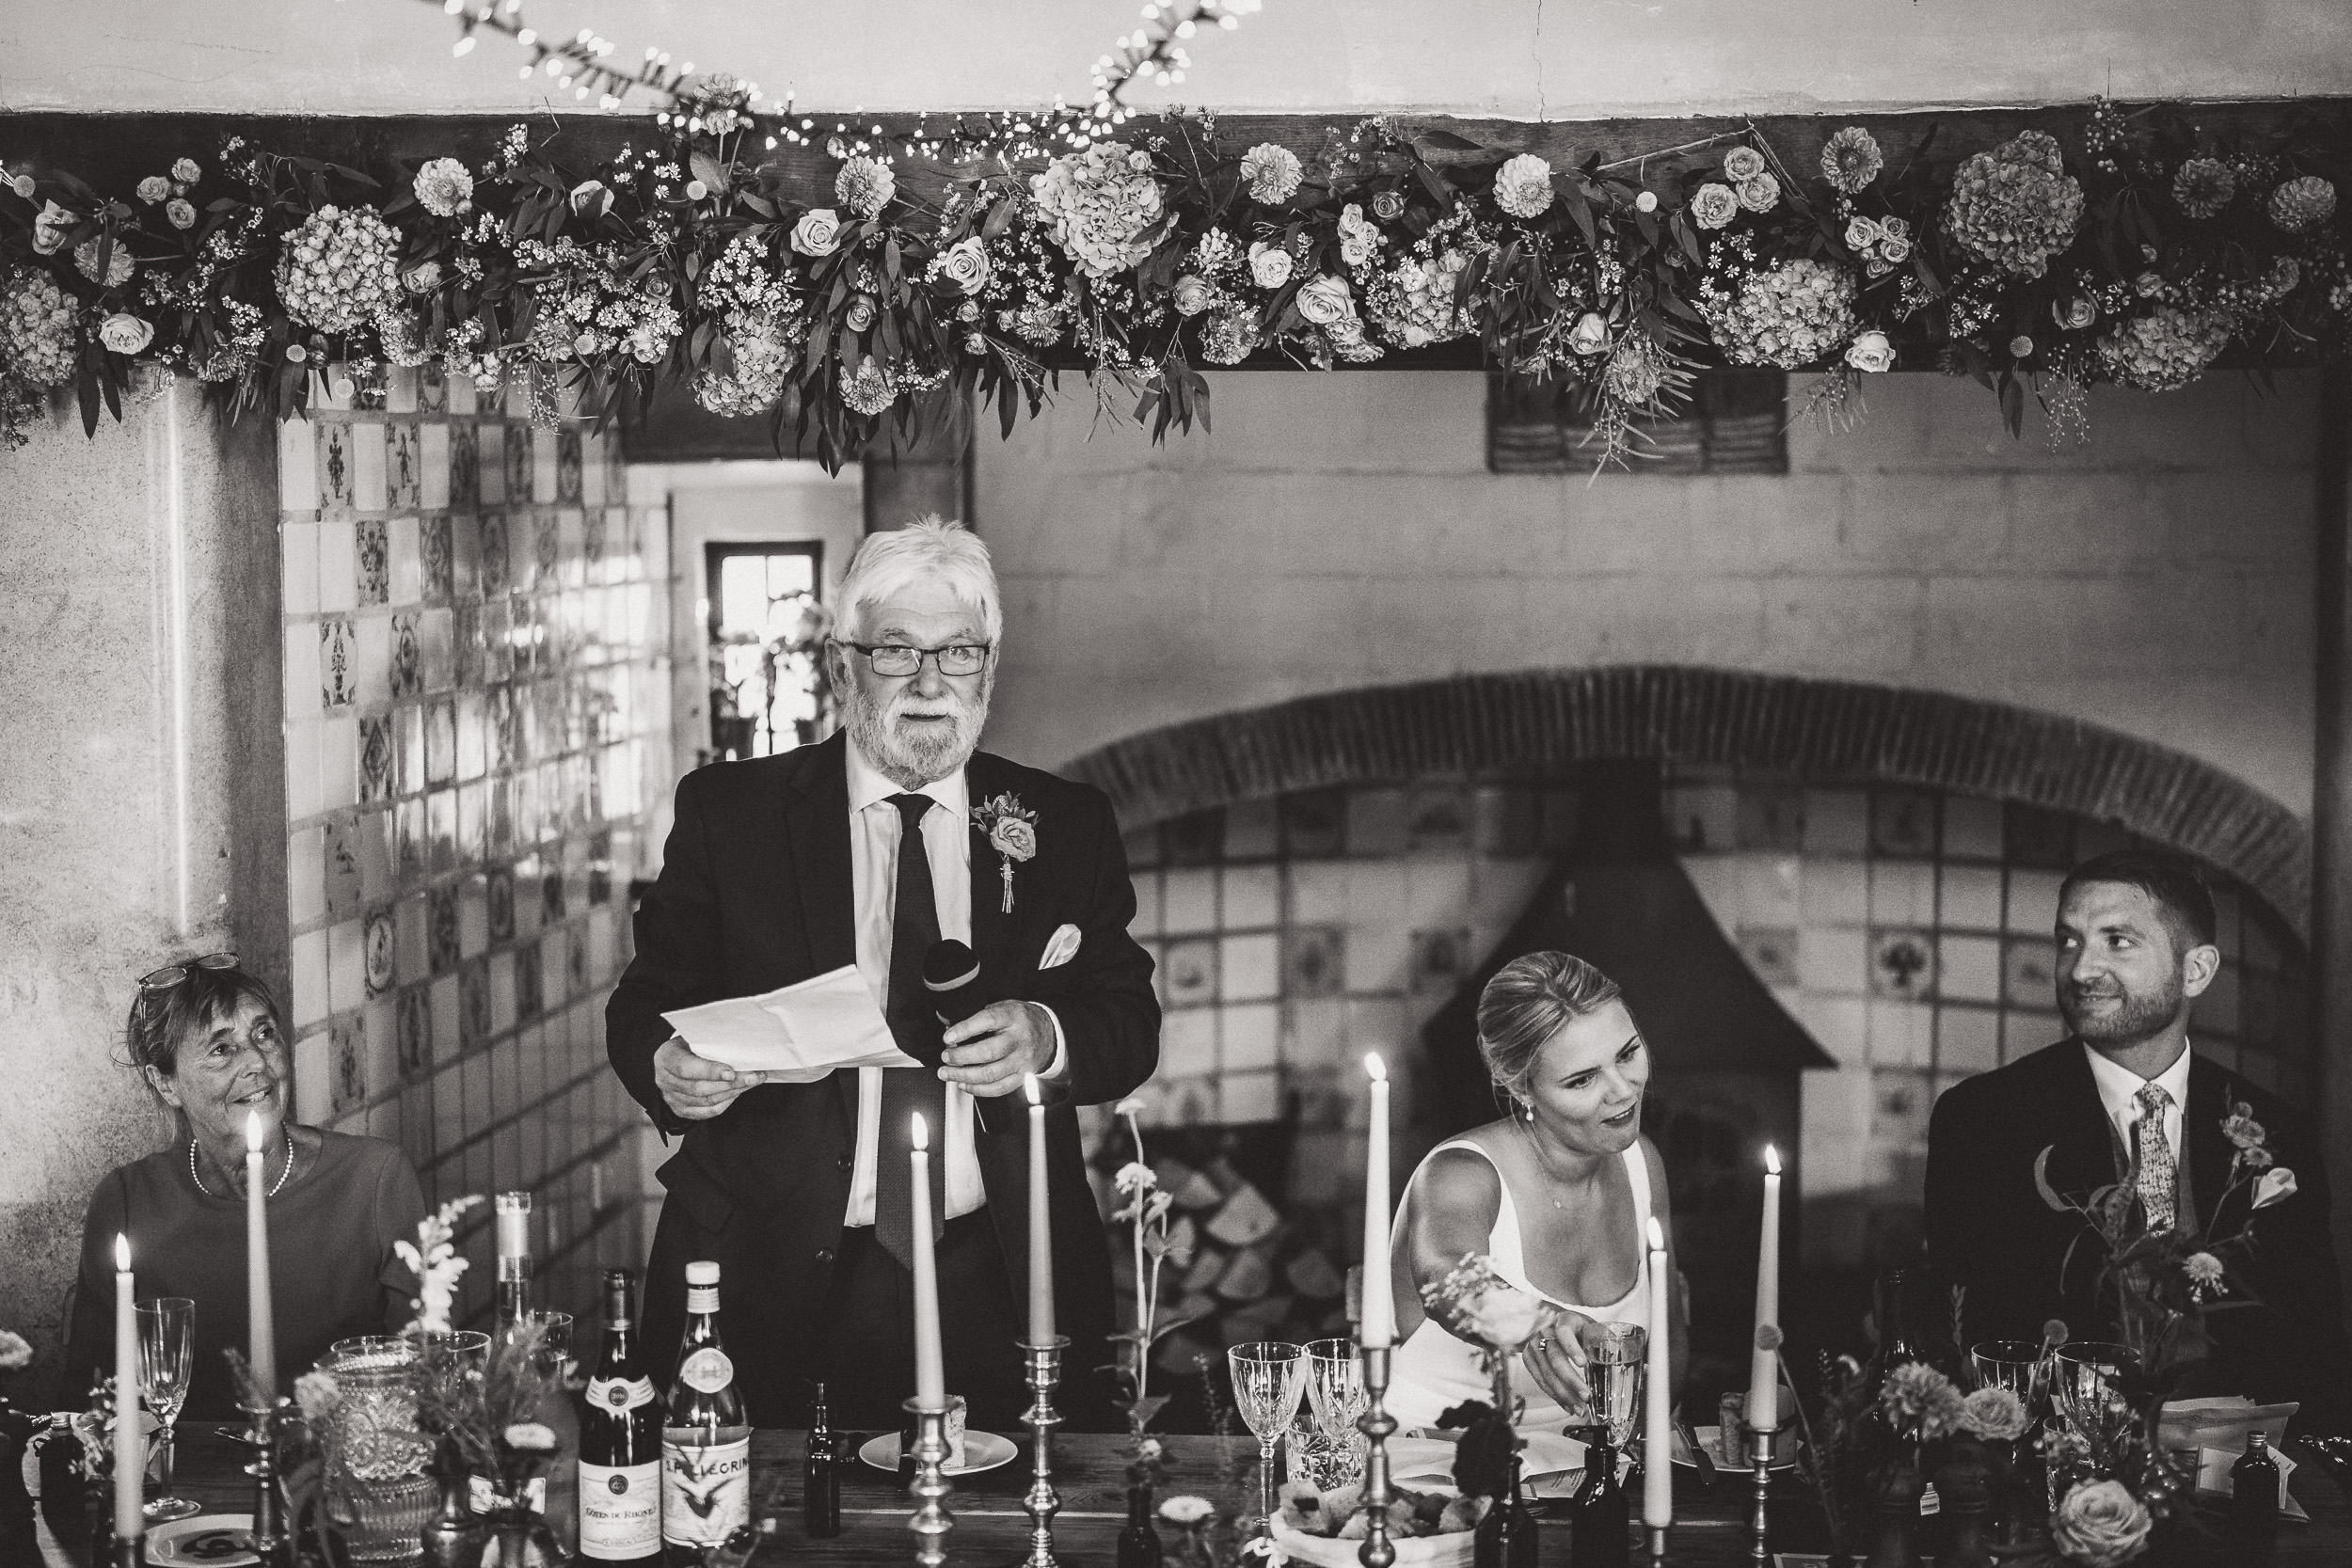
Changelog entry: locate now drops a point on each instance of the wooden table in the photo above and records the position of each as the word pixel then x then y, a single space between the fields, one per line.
pixel 990 1527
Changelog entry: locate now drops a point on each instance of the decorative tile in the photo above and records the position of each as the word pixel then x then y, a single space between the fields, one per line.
pixel 1249 967
pixel 496 578
pixel 473 1004
pixel 1772 817
pixel 1313 962
pixel 383 966
pixel 441 929
pixel 436 566
pixel 576 960
pixel 501 903
pixel 1376 822
pixel 341 867
pixel 406 679
pixel 440 741
pixel 368 489
pixel 371 661
pixel 1440 961
pixel 440 820
pixel 592 533
pixel 412 846
pixel 567 467
pixel 346 1069
pixel 404 466
pixel 336 477
pixel 1902 964
pixel 1902 822
pixel 1438 819
pixel 1189 972
pixel 2029 972
pixel 519 441
pixel 408 580
pixel 527 987
pixel 551 897
pixel 465 448
pixel 1772 953
pixel 336 657
pixel 375 581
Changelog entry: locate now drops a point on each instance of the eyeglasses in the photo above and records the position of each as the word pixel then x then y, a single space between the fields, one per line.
pixel 892 658
pixel 173 974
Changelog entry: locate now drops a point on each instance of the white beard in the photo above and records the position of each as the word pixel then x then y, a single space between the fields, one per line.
pixel 912 758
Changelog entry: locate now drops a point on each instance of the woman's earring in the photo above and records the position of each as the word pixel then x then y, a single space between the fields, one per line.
pixel 1527 1109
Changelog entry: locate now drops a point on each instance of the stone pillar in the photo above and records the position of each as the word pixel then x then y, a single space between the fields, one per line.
pixel 2331 806
pixel 140 774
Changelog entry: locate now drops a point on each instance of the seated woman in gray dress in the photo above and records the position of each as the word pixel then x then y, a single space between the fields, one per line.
pixel 205 1038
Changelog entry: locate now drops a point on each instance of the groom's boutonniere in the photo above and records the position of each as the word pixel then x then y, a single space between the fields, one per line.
pixel 1011 831
pixel 2276 1183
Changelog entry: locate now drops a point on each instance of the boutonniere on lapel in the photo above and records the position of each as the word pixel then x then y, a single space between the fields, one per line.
pixel 2253 1141
pixel 1010 828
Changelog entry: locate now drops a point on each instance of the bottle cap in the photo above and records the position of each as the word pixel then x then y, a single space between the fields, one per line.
pixel 702 1273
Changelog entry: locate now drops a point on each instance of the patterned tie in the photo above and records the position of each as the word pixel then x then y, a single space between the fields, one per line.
pixel 914 928
pixel 2155 1158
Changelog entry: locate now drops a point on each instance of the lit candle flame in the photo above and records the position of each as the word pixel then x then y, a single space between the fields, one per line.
pixel 122 1253
pixel 1030 1086
pixel 1657 1235
pixel 253 1132
pixel 1771 1160
pixel 1376 1066
pixel 922 1135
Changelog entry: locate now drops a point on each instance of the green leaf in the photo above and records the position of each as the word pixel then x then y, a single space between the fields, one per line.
pixel 706 169
pixel 2042 1182
pixel 1446 141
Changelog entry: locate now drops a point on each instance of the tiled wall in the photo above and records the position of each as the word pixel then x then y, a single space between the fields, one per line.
pixel 1909 931
pixel 476 738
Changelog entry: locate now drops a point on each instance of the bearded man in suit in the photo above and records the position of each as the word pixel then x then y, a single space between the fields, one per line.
pixel 2125 1097
pixel 866 850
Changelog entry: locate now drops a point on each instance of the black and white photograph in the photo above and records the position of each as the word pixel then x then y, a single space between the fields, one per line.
pixel 1515 783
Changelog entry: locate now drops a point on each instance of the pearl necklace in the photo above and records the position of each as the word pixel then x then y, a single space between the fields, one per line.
pixel 272 1186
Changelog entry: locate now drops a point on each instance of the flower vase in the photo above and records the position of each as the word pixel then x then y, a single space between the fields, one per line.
pixel 520 1538
pixel 455 1535
pixel 1506 1536
pixel 1897 1514
pixel 1139 1542
pixel 1965 1485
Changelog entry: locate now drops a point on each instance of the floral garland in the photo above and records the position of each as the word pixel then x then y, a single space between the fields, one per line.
pixel 2138 258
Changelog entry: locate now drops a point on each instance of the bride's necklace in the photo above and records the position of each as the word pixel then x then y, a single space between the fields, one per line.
pixel 282 1174
pixel 1543 1161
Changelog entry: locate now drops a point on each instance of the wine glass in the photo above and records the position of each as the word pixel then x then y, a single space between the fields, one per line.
pixel 1335 1393
pixel 167 1359
pixel 1268 1380
pixel 2016 1365
pixel 2088 1384
pixel 1612 1370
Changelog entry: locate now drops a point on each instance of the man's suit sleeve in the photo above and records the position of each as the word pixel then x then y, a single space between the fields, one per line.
pixel 2300 1255
pixel 1110 1016
pixel 1956 1206
pixel 676 961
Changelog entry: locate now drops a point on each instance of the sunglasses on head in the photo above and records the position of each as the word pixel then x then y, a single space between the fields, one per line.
pixel 173 974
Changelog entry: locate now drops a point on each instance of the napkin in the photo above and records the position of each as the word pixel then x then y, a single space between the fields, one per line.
pixel 2220 1423
pixel 795 1035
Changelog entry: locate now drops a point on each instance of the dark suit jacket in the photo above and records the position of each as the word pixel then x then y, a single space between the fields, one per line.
pixel 754 892
pixel 1989 1230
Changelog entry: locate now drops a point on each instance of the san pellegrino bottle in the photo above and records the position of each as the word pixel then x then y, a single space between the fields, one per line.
pixel 706 1442
pixel 619 1442
pixel 513 1244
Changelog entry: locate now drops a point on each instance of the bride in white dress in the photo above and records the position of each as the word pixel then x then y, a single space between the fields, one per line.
pixel 1558 1194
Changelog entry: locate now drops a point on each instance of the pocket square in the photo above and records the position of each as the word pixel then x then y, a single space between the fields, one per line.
pixel 1062 949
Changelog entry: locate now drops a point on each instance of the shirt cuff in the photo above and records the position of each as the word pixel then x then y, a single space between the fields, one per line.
pixel 1060 1063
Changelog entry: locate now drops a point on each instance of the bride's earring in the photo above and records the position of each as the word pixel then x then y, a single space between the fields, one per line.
pixel 1527 1109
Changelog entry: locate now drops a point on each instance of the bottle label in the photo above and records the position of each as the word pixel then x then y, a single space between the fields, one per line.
pixel 620 1511
pixel 613 1393
pixel 702 1298
pixel 1928 1501
pixel 486 1499
pixel 706 1491
pixel 707 1370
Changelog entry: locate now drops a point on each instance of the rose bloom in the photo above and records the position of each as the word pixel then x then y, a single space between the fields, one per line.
pixel 180 212
pixel 1014 837
pixel 1590 335
pixel 422 278
pixel 1996 1414
pixel 153 189
pixel 124 333
pixel 1713 205
pixel 1388 206
pixel 1523 186
pixel 1324 300
pixel 1759 192
pixel 1193 294
pixel 1894 249
pixel 818 233
pixel 590 199
pixel 860 313
pixel 1861 233
pixel 2073 314
pixel 444 187
pixel 2101 1525
pixel 965 265
pixel 1742 162
pixel 50 228
pixel 185 171
pixel 1358 238
pixel 1270 264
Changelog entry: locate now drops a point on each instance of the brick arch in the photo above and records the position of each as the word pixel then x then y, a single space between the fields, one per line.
pixel 1718 717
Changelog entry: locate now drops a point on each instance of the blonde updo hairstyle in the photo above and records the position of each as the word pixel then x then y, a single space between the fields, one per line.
pixel 1526 1004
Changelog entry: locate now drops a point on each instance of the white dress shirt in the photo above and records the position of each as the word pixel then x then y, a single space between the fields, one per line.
pixel 875 826
pixel 2119 1091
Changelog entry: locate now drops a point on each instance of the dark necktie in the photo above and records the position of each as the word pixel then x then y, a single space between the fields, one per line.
pixel 914 928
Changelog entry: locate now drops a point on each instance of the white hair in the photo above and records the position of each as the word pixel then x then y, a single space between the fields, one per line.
pixel 930 548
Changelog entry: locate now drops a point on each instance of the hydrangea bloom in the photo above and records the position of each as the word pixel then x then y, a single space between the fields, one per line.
pixel 2164 349
pixel 2015 207
pixel 338 268
pixel 1413 303
pixel 1791 315
pixel 1230 337
pixel 1102 206
pixel 38 324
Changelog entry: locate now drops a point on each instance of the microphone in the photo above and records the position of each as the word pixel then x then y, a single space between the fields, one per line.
pixel 951 974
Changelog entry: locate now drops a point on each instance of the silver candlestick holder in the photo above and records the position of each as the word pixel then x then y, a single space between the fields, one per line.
pixel 1043 1501
pixel 128 1552
pixel 1761 1457
pixel 931 1520
pixel 1378 1426
pixel 269 1517
pixel 1657 1546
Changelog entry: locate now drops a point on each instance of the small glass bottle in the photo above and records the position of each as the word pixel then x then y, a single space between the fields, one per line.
pixel 1600 1513
pixel 2254 1493
pixel 1139 1543
pixel 820 1480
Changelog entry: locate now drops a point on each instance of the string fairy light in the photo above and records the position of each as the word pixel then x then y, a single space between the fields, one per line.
pixel 583 65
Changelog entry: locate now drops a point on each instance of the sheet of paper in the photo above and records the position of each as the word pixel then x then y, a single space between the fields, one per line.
pixel 796 1035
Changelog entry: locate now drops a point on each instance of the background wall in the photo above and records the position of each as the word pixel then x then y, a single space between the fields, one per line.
pixel 1522 58
pixel 1343 531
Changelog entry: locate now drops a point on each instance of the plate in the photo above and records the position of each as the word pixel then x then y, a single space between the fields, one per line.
pixel 207 1541
pixel 1783 1450
pixel 982 1451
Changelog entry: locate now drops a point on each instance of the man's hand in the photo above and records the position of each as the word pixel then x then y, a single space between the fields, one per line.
pixel 697 1088
pixel 988 1052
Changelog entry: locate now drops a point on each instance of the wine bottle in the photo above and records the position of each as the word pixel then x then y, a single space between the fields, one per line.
pixel 2254 1493
pixel 514 1244
pixel 706 1441
pixel 821 1477
pixel 1897 1343
pixel 620 1443
pixel 1599 1512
